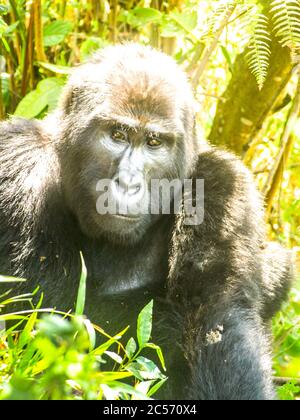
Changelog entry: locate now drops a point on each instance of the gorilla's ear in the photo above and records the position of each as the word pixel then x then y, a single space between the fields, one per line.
pixel 67 101
pixel 69 98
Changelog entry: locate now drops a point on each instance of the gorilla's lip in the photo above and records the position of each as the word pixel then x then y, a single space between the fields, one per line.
pixel 126 217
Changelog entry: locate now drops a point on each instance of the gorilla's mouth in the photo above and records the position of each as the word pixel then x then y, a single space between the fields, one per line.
pixel 128 217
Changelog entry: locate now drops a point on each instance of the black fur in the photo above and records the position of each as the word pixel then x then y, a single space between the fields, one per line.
pixel 215 286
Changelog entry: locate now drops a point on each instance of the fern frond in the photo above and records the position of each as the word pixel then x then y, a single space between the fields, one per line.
pixel 216 18
pixel 259 51
pixel 286 18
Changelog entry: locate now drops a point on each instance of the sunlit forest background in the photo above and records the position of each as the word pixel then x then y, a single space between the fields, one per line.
pixel 243 60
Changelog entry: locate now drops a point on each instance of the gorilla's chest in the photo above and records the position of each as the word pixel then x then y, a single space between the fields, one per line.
pixel 122 280
pixel 118 270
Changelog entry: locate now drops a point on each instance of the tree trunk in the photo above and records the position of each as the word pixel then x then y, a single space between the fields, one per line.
pixel 242 112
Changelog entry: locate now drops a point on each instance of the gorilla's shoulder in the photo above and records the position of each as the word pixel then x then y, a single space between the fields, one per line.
pixel 22 134
pixel 29 167
pixel 231 200
pixel 221 167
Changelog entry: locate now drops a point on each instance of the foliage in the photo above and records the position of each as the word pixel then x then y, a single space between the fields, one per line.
pixel 286 15
pixel 55 357
pixel 259 50
pixel 288 391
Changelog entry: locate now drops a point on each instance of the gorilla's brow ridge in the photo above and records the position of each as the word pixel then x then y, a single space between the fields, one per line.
pixel 159 126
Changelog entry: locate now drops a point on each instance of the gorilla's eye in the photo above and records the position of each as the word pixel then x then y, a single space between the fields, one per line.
pixel 153 141
pixel 118 135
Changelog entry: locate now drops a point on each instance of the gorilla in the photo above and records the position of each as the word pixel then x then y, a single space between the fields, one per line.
pixel 127 117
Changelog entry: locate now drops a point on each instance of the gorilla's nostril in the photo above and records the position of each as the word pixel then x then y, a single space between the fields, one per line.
pixel 128 185
pixel 134 189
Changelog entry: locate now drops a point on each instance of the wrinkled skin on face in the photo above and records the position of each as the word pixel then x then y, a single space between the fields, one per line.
pixel 134 123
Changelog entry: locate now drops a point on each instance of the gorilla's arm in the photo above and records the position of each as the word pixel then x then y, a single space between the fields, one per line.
pixel 36 239
pixel 224 285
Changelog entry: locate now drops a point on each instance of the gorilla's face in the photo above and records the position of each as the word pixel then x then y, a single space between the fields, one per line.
pixel 133 132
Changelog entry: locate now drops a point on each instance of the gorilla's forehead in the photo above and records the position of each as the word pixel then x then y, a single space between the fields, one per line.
pixel 136 83
pixel 144 104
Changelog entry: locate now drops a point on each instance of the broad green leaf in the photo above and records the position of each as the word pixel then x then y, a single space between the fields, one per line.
pixel 32 104
pixel 55 32
pixel 156 387
pixel 46 95
pixel 144 325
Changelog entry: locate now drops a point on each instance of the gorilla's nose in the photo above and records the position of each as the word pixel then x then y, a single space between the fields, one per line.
pixel 128 184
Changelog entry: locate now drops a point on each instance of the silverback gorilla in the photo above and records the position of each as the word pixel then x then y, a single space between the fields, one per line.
pixel 128 116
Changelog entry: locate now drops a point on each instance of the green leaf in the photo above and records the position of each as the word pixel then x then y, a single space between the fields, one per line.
pixel 46 95
pixel 56 32
pixel 144 325
pixel 91 333
pixel 159 354
pixel 25 335
pixel 141 16
pixel 3 26
pixel 227 57
pixel 6 279
pixel 113 376
pixel 146 369
pixel 169 28
pixel 119 387
pixel 55 68
pixel 32 105
pixel 130 348
pixel 3 9
pixel 187 21
pixel 80 304
pixel 91 45
pixel 147 15
pixel 50 84
pixel 144 386
pixel 288 391
pixel 11 28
